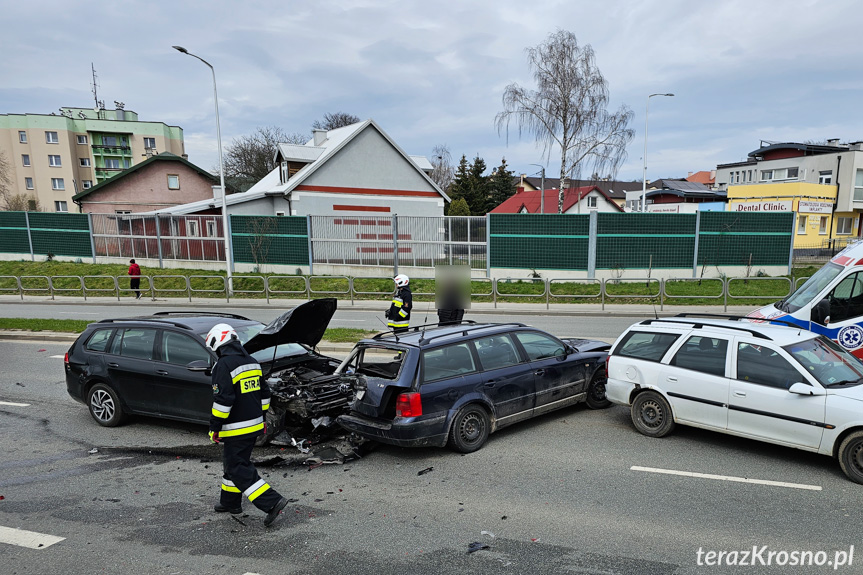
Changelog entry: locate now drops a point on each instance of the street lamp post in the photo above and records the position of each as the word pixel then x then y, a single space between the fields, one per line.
pixel 542 189
pixel 229 259
pixel 644 155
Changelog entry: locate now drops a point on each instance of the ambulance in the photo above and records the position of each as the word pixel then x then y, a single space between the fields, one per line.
pixel 830 302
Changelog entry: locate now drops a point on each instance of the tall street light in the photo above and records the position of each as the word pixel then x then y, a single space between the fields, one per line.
pixel 229 259
pixel 644 155
pixel 542 189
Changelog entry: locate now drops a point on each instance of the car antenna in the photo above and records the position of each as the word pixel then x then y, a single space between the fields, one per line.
pixel 426 320
pixel 656 315
pixel 386 326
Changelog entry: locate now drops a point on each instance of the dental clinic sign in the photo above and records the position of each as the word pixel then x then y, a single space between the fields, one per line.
pixel 768 206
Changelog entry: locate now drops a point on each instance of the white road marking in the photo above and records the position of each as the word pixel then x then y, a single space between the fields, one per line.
pixel 79 312
pixel 58 357
pixel 727 478
pixel 29 539
pixel 14 404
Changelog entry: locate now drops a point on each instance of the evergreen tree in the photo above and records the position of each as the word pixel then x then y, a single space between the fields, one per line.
pixel 502 186
pixel 459 187
pixel 478 187
pixel 458 207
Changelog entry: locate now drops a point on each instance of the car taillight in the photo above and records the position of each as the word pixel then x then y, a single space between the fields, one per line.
pixel 66 358
pixel 409 405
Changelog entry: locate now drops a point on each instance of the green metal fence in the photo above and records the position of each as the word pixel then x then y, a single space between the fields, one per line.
pixel 742 239
pixel 13 233
pixel 534 241
pixel 59 234
pixel 264 240
pixel 645 241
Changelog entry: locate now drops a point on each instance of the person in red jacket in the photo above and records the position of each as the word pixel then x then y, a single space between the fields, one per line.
pixel 135 281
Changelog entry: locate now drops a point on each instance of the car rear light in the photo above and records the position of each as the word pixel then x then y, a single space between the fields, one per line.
pixel 409 405
pixel 66 358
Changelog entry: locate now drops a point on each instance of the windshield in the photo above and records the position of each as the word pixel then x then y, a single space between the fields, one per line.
pixel 811 288
pixel 827 362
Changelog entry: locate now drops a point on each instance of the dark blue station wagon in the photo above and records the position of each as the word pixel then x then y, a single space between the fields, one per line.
pixel 457 384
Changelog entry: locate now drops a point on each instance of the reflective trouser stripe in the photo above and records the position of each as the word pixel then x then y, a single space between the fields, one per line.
pixel 257 489
pixel 228 485
pixel 265 404
pixel 221 411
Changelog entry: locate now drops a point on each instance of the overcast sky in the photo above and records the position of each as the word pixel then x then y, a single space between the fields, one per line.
pixel 433 72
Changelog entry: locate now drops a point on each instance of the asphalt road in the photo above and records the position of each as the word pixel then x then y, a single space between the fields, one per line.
pixel 603 326
pixel 558 493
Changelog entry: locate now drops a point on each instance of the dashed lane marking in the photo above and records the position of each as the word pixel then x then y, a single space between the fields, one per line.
pixel 727 478
pixel 29 539
pixel 58 357
pixel 14 404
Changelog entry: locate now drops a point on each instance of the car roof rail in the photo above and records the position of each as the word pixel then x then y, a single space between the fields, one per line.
pixel 740 317
pixel 201 314
pixel 464 332
pixel 147 320
pixel 415 328
pixel 699 325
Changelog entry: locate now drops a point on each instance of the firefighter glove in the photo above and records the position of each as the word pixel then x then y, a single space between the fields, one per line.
pixel 214 437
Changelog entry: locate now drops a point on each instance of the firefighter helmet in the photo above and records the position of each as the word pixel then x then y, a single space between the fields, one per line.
pixel 401 280
pixel 219 335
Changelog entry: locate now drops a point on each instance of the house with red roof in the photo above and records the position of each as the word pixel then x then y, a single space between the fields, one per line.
pixel 581 200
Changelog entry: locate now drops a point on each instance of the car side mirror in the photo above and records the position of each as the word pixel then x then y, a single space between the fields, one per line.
pixel 199 365
pixel 805 389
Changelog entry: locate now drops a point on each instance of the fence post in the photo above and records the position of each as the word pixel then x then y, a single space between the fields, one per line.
pixel 791 248
pixel 309 238
pixel 593 226
pixel 29 241
pixel 488 245
pixel 697 234
pixel 229 257
pixel 159 241
pixel 396 244
pixel 92 242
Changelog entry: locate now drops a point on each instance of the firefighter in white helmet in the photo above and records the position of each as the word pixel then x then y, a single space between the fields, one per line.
pixel 240 400
pixel 399 314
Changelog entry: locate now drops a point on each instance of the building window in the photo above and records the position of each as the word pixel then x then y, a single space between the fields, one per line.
pixel 126 163
pixel 57 184
pixel 801 224
pixel 123 212
pixel 173 182
pixel 85 162
pixel 82 139
pixel 792 173
pixel 192 229
pixel 60 207
pixel 822 226
pixel 280 213
pixel 750 175
pixel 843 226
pixel 25 160
pixel 22 136
pixel 150 143
pixel 112 163
pixel 211 229
pixel 109 140
pixel 825 178
pixel 51 138
pixel 591 202
pixel 55 161
pixel 28 183
pixel 87 184
pixel 766 175
pixel 858 186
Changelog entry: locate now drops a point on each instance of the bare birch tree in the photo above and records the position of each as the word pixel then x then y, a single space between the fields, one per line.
pixel 250 158
pixel 443 171
pixel 568 109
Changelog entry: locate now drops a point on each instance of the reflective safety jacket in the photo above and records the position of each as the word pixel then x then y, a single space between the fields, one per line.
pixel 241 397
pixel 399 314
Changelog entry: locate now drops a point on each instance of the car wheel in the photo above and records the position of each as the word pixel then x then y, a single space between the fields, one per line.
pixel 596 398
pixel 470 429
pixel 851 456
pixel 651 414
pixel 105 406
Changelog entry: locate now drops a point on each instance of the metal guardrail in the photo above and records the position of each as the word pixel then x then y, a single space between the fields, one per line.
pixel 47 284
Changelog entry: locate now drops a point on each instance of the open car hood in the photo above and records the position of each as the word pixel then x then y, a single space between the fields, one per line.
pixel 305 323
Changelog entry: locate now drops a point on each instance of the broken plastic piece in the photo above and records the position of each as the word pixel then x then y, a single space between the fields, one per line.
pixel 476 546
pixel 299 445
pixel 330 455
pixel 489 533
pixel 426 470
pixel 92 451
pixel 324 421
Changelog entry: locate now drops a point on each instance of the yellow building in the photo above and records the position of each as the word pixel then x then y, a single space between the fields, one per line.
pixel 816 223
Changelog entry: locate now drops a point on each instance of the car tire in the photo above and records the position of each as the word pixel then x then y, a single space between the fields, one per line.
pixel 596 398
pixel 105 406
pixel 652 415
pixel 470 429
pixel 851 456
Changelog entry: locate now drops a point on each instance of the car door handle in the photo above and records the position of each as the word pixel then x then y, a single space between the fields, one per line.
pixel 161 372
pixel 740 393
pixel 112 364
pixel 539 372
pixel 672 378
pixel 490 383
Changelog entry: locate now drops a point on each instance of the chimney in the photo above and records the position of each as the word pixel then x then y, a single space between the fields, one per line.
pixel 689 175
pixel 519 189
pixel 320 136
pixel 833 142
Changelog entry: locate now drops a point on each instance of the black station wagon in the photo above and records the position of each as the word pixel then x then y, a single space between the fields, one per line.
pixel 457 384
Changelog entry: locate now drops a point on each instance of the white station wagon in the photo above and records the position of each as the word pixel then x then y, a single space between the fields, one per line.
pixel 773 383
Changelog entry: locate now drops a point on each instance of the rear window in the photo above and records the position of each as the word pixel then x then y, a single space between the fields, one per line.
pixel 99 340
pixel 379 362
pixel 646 345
